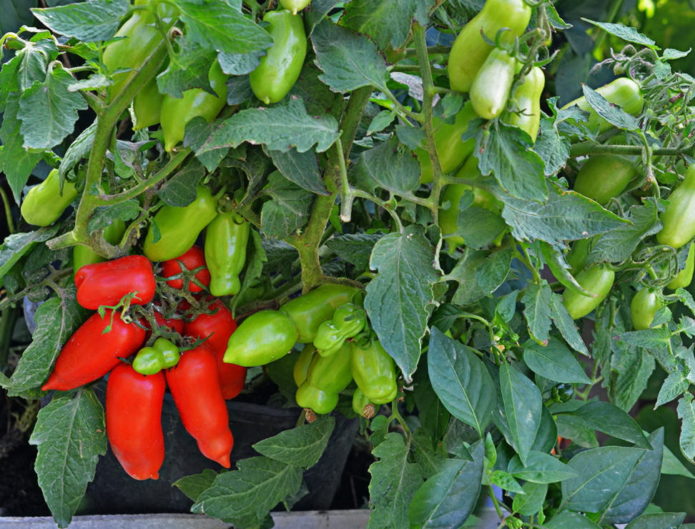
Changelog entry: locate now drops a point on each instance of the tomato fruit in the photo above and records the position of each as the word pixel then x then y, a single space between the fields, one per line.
pixel 193 259
pixel 526 100
pixel 327 376
pixel 84 255
pixel 643 307
pixel 598 280
pixel 226 239
pixel 261 338
pixel 106 283
pixel 623 92
pixel 604 176
pixel 685 276
pixel 374 370
pixel 678 219
pixel 490 89
pixel 45 202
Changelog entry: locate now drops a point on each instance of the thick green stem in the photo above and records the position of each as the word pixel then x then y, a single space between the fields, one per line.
pixel 584 149
pixel 106 124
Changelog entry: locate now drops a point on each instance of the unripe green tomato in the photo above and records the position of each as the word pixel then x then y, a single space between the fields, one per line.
pixel 147 106
pixel 604 176
pixel 374 371
pixel 321 402
pixel 326 378
pixel 678 219
pixel 302 364
pixel 45 202
pixel 179 227
pixel 623 92
pixel 312 309
pixel 84 255
pixel 450 147
pixel 470 49
pixel 683 278
pixel 148 361
pixel 576 258
pixel 169 352
pixel 361 405
pixel 279 69
pixel 643 308
pixel 526 98
pixel 226 239
pixel 261 338
pixel 490 89
pixel 598 280
pixel 196 102
pixel 295 6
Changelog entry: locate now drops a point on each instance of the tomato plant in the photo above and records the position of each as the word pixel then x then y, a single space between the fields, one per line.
pixel 426 216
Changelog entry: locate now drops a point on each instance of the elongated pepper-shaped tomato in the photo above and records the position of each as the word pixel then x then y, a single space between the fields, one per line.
pixel 226 239
pixel 217 328
pixel 90 353
pixel 106 283
pixel 526 98
pixel 134 420
pixel 490 89
pixel 679 217
pixel 194 385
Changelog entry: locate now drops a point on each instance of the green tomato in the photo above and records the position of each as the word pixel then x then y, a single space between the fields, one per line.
pixel 261 338
pixel 326 378
pixel 643 308
pixel 604 176
pixel 279 69
pixel 45 202
pixel 226 239
pixel 294 5
pixel 84 255
pixel 598 280
pixel 147 106
pixel 374 370
pixel 623 92
pixel 526 99
pixel 678 219
pixel 683 278
pixel 490 89
pixel 470 50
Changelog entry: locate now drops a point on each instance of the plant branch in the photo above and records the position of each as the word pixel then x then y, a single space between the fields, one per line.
pixel 584 149
pixel 8 210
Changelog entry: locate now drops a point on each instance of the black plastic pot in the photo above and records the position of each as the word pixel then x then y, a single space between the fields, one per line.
pixel 114 492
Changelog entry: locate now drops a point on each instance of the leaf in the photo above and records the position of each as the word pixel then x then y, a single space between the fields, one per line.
pixel 536 300
pixel 675 385
pixel 180 190
pixel 190 69
pixel 194 485
pixel 393 483
pixel 661 520
pixel 281 128
pixel 48 111
pixel 639 488
pixel 348 60
pixel 79 149
pixel 301 169
pixel 565 324
pixel 302 446
pixel 479 274
pixel 573 520
pixel 400 298
pixel 389 167
pixel 387 22
pixel 686 413
pixel 624 32
pixel 239 63
pixel 245 496
pixel 56 319
pixel 610 419
pixel 461 381
pixel 89 21
pixel 505 481
pixel 554 362
pixel 552 147
pixel 613 114
pixel 287 211
pixel 566 216
pixel 16 246
pixel 355 248
pixel 531 501
pixel 672 466
pixel 446 499
pixel 505 153
pixel 70 435
pixel 316 12
pixel 540 468
pixel 523 404
pixel 220 26
pixel 601 473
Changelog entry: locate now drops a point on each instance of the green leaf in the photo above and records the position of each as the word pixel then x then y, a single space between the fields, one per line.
pixel 631 371
pixel 552 147
pixel 565 324
pixel 355 248
pixel 387 22
pixel 301 169
pixel 281 128
pixel 639 488
pixel 180 189
pixel 570 520
pixel 317 12
pixel 566 216
pixel 554 362
pixel 624 32
pixel 244 497
pixel 287 211
pixel 540 468
pixel 348 60
pixel 610 419
pixel 479 274
pixel 675 385
pixel 194 485
pixel 56 319
pixel 661 520
pixel 239 63
pixel 393 483
pixel 531 501
pixel 672 466
pixel 536 300
pixel 505 481
pixel 447 498
pixel 601 473
pixel 48 111
pixel 70 435
pixel 79 149
pixel 302 446
pixel 505 153
pixel 522 408
pixel 89 21
pixel 686 413
pixel 17 245
pixel 105 215
pixel 613 114
pixel 220 26
pixel 390 167
pixel 461 381
pixel 400 299
pixel 190 70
